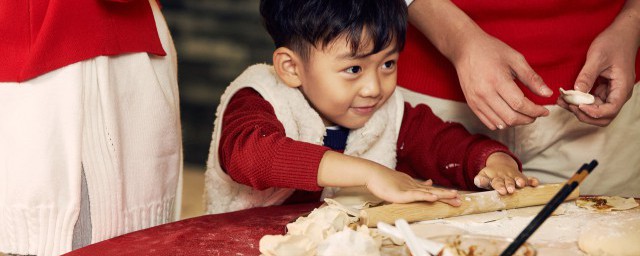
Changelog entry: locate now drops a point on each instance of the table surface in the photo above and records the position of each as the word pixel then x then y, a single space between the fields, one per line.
pixel 234 233
pixel 239 233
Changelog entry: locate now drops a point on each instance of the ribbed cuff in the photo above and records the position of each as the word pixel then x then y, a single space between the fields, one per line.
pixel 36 231
pixel 296 166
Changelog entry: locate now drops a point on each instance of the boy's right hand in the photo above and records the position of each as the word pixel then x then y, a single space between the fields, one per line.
pixel 398 187
pixel 340 170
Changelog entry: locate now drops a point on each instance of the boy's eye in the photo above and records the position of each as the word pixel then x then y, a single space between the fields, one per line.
pixel 353 70
pixel 389 64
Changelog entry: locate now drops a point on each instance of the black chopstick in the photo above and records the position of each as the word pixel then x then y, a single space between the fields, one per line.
pixel 564 192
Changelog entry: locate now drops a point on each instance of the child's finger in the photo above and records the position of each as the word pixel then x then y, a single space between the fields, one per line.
pixel 443 193
pixel 521 182
pixel 452 202
pixel 482 181
pixel 498 184
pixel 428 182
pixel 534 182
pixel 510 185
pixel 421 195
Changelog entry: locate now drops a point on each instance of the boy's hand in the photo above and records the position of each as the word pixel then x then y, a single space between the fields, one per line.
pixel 501 173
pixel 398 187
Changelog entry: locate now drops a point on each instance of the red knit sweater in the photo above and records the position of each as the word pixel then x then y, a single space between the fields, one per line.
pixel 255 151
pixel 553 36
pixel 39 36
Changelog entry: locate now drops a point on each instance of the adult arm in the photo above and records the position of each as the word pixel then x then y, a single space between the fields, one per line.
pixel 610 67
pixel 486 66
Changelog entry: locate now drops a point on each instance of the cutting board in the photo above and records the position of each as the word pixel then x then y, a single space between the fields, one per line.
pixel 471 203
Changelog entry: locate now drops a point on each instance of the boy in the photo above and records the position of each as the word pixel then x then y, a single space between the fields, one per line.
pixel 333 83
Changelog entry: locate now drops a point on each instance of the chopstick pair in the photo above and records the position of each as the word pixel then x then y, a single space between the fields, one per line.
pixel 564 192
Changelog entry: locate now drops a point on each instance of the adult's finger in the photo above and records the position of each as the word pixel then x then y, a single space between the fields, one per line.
pixel 529 77
pixel 514 108
pixel 614 99
pixel 489 117
pixel 583 117
pixel 515 99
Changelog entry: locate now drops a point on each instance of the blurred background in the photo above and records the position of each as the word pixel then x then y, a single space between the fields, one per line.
pixel 215 40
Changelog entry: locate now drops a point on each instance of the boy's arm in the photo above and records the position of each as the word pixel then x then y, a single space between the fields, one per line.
pixel 255 151
pixel 445 152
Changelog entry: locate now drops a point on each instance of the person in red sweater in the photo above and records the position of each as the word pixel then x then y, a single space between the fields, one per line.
pixel 497 66
pixel 90 140
pixel 328 114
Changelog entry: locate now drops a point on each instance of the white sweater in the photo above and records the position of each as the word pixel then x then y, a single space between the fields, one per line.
pixel 375 141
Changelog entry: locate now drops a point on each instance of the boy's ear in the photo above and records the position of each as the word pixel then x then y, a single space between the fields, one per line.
pixel 287 65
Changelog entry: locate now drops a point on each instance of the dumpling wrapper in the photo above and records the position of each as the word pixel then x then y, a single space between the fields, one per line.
pixel 577 97
pixel 606 203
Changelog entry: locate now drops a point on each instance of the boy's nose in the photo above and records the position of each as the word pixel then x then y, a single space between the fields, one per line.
pixel 371 88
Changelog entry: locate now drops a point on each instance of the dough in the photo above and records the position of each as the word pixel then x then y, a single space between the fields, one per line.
pixel 606 203
pixel 287 245
pixel 349 242
pixel 356 197
pixel 611 237
pixel 532 211
pixel 577 97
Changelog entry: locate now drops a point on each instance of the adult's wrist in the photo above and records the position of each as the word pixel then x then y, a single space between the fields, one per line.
pixel 447 27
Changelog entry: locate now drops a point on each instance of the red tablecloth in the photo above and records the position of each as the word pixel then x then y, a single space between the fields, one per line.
pixel 234 233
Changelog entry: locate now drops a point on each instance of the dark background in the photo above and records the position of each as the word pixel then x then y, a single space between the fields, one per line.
pixel 215 40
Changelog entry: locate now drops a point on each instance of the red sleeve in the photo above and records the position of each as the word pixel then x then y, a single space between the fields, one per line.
pixel 255 151
pixel 429 148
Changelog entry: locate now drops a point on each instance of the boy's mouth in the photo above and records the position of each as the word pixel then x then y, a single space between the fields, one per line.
pixel 364 110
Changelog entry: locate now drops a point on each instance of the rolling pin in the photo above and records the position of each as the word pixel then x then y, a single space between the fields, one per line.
pixel 471 203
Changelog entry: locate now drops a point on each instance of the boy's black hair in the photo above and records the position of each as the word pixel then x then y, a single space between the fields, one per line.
pixel 300 24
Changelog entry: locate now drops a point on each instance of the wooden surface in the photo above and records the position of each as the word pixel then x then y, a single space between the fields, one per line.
pixel 471 204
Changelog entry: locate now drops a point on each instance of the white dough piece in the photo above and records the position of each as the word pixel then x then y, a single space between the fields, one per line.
pixel 619 237
pixel 321 223
pixel 577 97
pixel 287 245
pixel 356 197
pixel 349 242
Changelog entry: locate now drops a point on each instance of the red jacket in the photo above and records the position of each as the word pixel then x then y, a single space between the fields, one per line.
pixel 255 151
pixel 553 36
pixel 40 36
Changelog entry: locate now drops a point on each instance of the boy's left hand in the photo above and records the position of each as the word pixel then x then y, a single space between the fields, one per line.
pixel 501 173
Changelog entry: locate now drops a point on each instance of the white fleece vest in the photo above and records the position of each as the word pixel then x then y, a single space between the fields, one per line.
pixel 375 141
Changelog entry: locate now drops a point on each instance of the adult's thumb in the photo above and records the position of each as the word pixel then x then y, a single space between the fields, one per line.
pixel 588 75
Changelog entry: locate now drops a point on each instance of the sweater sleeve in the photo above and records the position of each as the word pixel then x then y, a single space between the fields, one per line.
pixel 255 151
pixel 429 148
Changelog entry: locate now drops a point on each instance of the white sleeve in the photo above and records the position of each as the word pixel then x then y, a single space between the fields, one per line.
pixel 408 2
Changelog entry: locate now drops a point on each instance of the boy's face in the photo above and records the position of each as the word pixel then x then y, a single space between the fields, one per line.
pixel 346 90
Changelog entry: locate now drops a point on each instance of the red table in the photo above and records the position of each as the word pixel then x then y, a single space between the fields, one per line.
pixel 234 233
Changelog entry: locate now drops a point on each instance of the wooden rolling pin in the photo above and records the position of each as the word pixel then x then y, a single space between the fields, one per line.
pixel 471 203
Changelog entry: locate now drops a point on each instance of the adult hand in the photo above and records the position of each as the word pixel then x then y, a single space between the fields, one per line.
pixel 487 68
pixel 610 67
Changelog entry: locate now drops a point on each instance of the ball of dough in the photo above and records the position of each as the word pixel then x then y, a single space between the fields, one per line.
pixel 611 237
